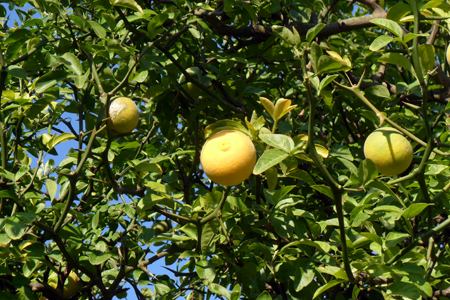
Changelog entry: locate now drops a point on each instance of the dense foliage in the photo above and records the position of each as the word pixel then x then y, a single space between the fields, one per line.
pixel 316 220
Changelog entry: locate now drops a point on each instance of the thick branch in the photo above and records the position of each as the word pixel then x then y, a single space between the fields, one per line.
pixel 260 32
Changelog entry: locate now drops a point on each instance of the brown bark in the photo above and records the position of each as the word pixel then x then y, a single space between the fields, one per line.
pixel 261 33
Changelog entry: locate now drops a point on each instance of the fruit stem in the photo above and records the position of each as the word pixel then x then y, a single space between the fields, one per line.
pixel 336 188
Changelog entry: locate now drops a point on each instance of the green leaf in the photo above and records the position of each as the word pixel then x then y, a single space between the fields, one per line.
pixel 436 4
pixel 322 151
pixel 96 220
pixel 303 278
pixel 393 238
pixel 72 63
pixel 326 81
pixel 403 289
pixel 228 7
pixel 81 79
pixel 63 137
pixel 303 176
pixel 51 188
pixel 316 53
pixel 161 288
pixel 279 141
pixel 26 217
pixel 380 42
pixel 326 190
pixel 220 290
pixel 398 11
pixel 149 167
pixel 30 267
pixel 14 228
pixel 22 171
pixel 99 30
pixel 409 36
pixel 269 159
pixel 327 286
pixel 99 258
pixel 414 209
pixel 155 23
pixel 205 270
pixel 17 35
pixel 141 76
pixel 426 57
pixel 327 64
pixel 269 106
pixel 373 237
pixel 8 193
pixel 131 4
pixel 385 188
pixel 208 234
pixel 389 25
pixel 378 91
pixel 283 225
pixel 50 79
pixel 282 107
pixel 264 296
pixel 367 171
pixel 349 165
pixel 17 71
pixel 236 292
pixel 313 32
pixel 272 178
pixel 286 35
pixel 398 60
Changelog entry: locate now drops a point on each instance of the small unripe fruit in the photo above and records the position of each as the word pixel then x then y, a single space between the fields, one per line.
pixel 191 89
pixel 70 286
pixel 389 150
pixel 124 115
pixel 228 157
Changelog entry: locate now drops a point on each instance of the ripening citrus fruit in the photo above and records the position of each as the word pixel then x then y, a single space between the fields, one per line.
pixel 228 157
pixel 70 286
pixel 124 115
pixel 389 150
pixel 448 54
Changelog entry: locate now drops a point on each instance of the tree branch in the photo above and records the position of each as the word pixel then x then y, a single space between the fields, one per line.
pixel 261 33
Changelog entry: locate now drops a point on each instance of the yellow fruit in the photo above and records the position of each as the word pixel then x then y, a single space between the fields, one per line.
pixel 228 157
pixel 448 54
pixel 389 150
pixel 70 286
pixel 124 115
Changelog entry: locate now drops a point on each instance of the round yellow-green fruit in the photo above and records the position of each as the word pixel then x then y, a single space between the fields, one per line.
pixel 389 150
pixel 228 157
pixel 191 89
pixel 70 285
pixel 124 115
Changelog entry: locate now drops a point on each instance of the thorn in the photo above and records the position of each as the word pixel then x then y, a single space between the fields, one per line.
pixel 361 79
